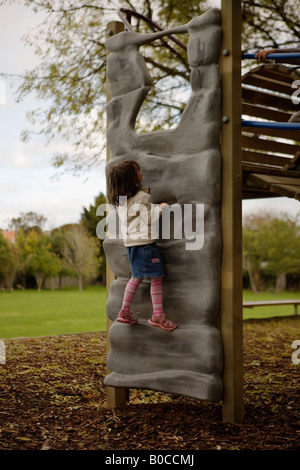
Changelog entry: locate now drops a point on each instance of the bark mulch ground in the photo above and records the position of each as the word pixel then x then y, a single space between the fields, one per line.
pixel 53 398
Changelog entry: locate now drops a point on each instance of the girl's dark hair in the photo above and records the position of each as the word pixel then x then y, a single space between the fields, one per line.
pixel 122 180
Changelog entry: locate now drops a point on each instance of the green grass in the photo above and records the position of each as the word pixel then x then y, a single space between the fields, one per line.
pixel 67 311
pixel 31 313
pixel 269 311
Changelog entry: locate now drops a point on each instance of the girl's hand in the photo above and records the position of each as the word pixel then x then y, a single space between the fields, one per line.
pixel 163 204
pixel 261 56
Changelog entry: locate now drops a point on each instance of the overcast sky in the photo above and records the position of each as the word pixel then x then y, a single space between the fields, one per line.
pixel 27 180
pixel 26 173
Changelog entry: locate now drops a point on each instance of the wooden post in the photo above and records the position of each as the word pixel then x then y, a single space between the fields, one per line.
pixel 231 275
pixel 114 396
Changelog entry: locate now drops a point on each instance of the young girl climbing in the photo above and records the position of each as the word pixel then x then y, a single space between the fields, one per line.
pixel 124 190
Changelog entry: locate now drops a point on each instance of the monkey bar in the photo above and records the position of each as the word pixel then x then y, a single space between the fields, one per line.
pixel 277 55
pixel 293 126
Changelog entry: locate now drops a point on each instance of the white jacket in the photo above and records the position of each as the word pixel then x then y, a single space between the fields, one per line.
pixel 139 219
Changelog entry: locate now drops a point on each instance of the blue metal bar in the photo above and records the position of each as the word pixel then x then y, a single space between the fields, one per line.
pixel 282 55
pixel 295 126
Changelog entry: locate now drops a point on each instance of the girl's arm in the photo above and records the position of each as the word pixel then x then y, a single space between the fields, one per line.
pixel 262 55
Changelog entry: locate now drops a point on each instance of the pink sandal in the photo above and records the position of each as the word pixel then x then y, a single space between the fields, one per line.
pixel 126 317
pixel 162 322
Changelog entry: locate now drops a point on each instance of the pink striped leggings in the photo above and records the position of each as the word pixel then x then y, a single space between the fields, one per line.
pixel 155 292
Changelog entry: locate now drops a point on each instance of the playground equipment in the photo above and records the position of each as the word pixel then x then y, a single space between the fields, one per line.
pixel 272 125
pixel 188 162
pixel 208 346
pixel 270 140
pixel 287 55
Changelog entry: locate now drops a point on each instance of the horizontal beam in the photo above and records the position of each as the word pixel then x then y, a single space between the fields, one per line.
pixel 277 55
pixel 272 303
pixel 262 98
pixel 266 145
pixel 272 125
pixel 266 303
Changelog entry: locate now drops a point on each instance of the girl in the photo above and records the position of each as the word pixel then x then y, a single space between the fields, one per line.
pixel 124 185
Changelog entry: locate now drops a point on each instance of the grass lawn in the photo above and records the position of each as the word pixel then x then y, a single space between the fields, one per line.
pixel 269 311
pixel 33 313
pixel 67 311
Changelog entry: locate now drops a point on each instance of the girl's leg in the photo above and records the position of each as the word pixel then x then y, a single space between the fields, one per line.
pixel 129 293
pixel 156 295
pixel 124 315
pixel 159 318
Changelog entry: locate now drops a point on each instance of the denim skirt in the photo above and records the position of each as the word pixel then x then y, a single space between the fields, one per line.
pixel 145 261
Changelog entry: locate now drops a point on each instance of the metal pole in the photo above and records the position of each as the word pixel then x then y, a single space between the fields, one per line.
pixel 277 55
pixel 295 126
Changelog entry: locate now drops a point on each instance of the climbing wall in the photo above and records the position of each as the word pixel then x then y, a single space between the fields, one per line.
pixel 181 166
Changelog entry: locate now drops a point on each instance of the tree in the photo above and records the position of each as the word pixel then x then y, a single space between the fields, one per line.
pixel 89 221
pixel 271 244
pixel 280 242
pixel 80 252
pixel 269 24
pixel 24 224
pixel 71 75
pixel 43 264
pixel 9 262
pixel 27 221
pixel 40 260
pixel 251 257
pixel 57 242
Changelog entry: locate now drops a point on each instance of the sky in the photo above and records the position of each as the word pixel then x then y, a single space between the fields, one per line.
pixel 28 180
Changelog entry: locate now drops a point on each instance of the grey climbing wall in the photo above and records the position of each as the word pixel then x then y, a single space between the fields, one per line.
pixel 181 166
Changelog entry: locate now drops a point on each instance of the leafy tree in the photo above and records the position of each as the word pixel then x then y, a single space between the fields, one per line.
pixel 57 242
pixel 8 262
pixel 71 74
pixel 80 252
pixel 280 242
pixel 251 257
pixel 43 264
pixel 27 221
pixel 271 244
pixel 89 221
pixel 20 242
pixel 40 260
pixel 270 24
pixel 23 225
